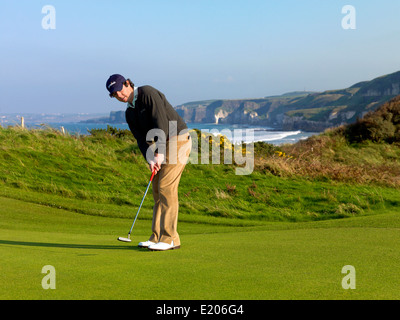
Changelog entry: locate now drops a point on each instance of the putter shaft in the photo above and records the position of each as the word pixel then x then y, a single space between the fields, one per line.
pixel 144 196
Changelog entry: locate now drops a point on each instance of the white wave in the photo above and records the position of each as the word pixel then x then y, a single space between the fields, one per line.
pixel 266 136
pixel 256 134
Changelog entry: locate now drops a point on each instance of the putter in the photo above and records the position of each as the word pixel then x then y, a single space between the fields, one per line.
pixel 130 231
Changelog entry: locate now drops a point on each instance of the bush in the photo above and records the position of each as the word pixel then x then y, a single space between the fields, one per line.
pixel 112 131
pixel 382 125
pixel 263 149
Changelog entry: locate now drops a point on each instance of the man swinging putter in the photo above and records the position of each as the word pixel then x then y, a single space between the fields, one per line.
pixel 164 141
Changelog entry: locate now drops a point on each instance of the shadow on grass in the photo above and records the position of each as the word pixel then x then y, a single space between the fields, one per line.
pixel 70 245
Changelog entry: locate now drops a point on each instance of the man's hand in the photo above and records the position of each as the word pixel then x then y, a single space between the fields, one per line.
pixel 155 164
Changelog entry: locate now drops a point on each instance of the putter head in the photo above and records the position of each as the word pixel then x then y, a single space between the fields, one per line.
pixel 124 239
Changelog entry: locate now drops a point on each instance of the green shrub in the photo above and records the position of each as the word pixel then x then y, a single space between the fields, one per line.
pixel 382 125
pixel 111 131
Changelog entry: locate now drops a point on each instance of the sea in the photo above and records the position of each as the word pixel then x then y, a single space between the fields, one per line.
pixel 234 132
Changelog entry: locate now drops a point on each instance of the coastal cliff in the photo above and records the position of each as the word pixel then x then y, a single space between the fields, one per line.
pixel 307 111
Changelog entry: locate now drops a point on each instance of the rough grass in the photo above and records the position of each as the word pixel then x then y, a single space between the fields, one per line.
pixel 329 157
pixel 104 174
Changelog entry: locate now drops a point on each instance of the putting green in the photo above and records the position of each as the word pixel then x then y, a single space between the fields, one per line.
pixel 273 261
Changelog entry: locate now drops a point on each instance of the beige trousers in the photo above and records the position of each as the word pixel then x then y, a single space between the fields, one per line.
pixel 165 190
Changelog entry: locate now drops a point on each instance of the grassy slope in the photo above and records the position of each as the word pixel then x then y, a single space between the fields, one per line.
pixel 76 195
pixel 107 176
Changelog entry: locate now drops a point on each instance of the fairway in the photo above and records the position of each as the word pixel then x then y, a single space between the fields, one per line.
pixel 273 261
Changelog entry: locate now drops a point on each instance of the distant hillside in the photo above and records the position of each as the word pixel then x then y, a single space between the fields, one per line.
pixel 299 110
pixel 115 117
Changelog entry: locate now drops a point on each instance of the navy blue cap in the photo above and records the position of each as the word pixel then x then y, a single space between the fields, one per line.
pixel 115 83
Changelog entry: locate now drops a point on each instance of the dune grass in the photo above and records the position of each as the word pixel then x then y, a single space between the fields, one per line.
pixel 105 174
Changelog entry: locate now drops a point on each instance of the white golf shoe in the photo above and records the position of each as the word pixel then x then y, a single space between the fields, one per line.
pixel 145 244
pixel 162 246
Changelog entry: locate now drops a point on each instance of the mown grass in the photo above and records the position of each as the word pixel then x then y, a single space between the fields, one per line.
pixel 276 260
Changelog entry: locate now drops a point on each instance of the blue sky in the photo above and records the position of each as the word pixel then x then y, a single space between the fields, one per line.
pixel 190 50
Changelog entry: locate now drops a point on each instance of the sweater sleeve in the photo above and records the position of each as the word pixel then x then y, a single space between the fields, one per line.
pixel 159 119
pixel 140 137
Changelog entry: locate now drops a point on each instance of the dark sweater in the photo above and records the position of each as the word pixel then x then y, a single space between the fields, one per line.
pixel 152 111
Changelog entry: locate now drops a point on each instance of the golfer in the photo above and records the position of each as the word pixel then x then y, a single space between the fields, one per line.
pixel 164 141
